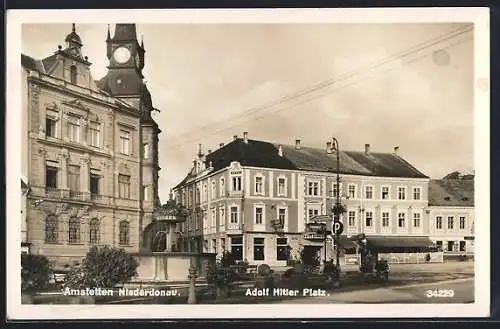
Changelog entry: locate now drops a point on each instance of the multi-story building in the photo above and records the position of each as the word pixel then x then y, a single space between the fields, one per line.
pixel 254 198
pixel 451 215
pixel 90 149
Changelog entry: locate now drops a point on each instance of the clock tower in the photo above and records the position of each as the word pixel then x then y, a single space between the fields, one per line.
pixel 126 61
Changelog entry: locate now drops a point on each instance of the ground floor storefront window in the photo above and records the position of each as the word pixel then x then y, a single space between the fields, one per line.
pixel 237 247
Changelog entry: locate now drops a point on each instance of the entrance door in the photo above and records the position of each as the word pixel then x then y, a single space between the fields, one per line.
pixel 311 255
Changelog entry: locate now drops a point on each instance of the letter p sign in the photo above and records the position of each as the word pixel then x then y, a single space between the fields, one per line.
pixel 338 228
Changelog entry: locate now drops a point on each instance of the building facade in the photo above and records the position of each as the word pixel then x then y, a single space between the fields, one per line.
pixel 451 215
pixel 255 198
pixel 90 149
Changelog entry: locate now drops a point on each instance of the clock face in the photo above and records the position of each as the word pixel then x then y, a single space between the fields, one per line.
pixel 121 55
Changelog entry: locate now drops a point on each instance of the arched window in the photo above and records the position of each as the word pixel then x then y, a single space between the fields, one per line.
pixel 51 229
pixel 94 231
pixel 73 74
pixel 124 233
pixel 74 230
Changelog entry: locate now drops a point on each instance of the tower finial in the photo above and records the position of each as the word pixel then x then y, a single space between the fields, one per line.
pixel 142 41
pixel 73 28
pixel 109 34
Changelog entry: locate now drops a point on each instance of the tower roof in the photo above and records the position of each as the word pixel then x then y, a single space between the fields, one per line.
pixel 125 32
pixel 73 36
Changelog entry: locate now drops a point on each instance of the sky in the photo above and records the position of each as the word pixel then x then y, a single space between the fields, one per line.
pixel 213 81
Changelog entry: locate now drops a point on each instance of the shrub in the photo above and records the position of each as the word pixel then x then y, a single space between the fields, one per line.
pixel 103 267
pixel 331 270
pixel 219 275
pixel 35 273
pixel 264 277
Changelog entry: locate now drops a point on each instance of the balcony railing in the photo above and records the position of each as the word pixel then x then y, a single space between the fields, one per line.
pixel 53 192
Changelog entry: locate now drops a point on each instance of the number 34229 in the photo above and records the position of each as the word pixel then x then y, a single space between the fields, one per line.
pixel 437 293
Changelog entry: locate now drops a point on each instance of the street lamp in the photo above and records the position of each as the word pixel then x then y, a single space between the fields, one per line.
pixel 337 210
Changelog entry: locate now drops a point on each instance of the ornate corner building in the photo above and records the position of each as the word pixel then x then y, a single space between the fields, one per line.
pixel 90 150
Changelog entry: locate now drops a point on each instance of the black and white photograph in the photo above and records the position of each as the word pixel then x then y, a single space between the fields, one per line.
pixel 265 162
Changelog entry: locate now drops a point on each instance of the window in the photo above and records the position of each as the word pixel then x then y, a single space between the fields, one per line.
pixel 369 219
pixel 73 74
pixel 259 185
pixel 50 127
pixel 282 216
pixel 450 222
pixel 281 186
pixel 462 223
pixel 146 193
pixel 462 246
pixel 352 218
pixel 73 179
pixel 124 233
pixel 385 192
pixel 258 248
pixel 234 215
pixel 214 246
pixel 94 184
pixel 222 245
pixel 222 187
pixel 312 212
pixel 416 219
pixel 439 244
pixel 334 189
pixel 51 177
pixel 385 219
pixel 439 222
pixel 401 219
pixel 74 230
pixel 94 231
pixel 237 247
pixel 259 213
pixel 237 183
pixel 416 193
pixel 281 249
pixel 124 142
pixel 401 193
pixel 313 188
pixel 213 218
pixel 450 245
pixel 369 192
pixel 95 134
pixel 145 151
pixel 351 191
pixel 222 216
pixel 124 186
pixel 205 192
pixel 74 131
pixel 213 191
pixel 51 229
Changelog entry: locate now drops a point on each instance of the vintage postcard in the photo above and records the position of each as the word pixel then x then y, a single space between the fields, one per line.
pixel 248 163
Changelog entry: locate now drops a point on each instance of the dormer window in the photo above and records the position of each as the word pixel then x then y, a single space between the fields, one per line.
pixel 73 74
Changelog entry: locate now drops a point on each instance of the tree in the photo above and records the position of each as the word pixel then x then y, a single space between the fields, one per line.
pixel 35 272
pixel 103 267
pixel 453 175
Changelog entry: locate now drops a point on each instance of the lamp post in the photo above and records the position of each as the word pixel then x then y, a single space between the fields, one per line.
pixel 335 145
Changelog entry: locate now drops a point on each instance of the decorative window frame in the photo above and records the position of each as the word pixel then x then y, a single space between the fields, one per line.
pixel 421 219
pixel 285 192
pixel 388 193
pixel 222 216
pixel 281 207
pixel 465 222
pixel 313 180
pixel 413 193
pixel 405 188
pixel 355 218
pixel 406 224
pixel 341 190
pixel 262 225
pixel 382 227
pixel 365 190
pixel 263 186
pixel 312 206
pixel 222 187
pixel 238 212
pixel 355 191
pixel 213 190
pixel 365 213
pixel 436 222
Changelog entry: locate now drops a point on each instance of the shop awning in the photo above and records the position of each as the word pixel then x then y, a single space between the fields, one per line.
pixel 399 242
pixel 345 242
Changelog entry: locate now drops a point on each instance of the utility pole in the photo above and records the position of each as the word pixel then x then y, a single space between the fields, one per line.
pixel 337 200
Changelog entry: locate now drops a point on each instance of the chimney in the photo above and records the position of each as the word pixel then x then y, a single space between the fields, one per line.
pixel 329 147
pixel 297 144
pixel 235 137
pixel 200 153
pixel 396 150
pixel 367 148
pixel 221 145
pixel 245 137
pixel 280 151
